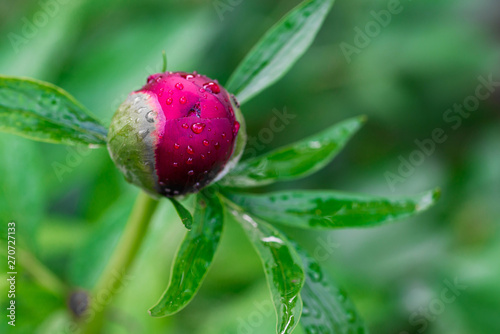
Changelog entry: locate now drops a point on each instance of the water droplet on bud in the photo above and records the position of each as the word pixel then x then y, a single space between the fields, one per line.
pixel 190 150
pixel 213 87
pixel 191 172
pixel 205 142
pixel 176 146
pixel 150 117
pixel 179 86
pixel 198 127
pixel 169 101
pixel 185 125
pixel 143 133
pixel 189 161
pixel 183 100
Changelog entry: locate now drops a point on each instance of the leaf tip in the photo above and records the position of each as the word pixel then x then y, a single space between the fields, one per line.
pixel 429 199
pixel 156 312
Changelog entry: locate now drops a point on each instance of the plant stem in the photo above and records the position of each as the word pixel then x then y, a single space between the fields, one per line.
pixel 120 262
pixel 39 272
pixel 44 276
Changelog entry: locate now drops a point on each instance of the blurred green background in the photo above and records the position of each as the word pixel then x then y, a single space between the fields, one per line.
pixel 70 204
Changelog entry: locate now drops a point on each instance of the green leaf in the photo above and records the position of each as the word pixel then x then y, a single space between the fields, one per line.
pixel 296 160
pixel 184 214
pixel 326 307
pixel 44 112
pixel 330 209
pixel 194 257
pixel 279 49
pixel 282 267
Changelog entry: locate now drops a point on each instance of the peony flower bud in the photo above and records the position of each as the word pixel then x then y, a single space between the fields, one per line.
pixel 177 134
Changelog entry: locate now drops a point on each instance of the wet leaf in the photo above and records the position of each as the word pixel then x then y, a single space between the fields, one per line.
pixel 44 112
pixel 184 214
pixel 326 307
pixel 194 256
pixel 294 161
pixel 330 209
pixel 282 267
pixel 279 49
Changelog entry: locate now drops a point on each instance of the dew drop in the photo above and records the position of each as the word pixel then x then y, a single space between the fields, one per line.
pixel 217 145
pixel 189 161
pixel 160 92
pixel 140 110
pixel 202 90
pixel 223 135
pixel 203 156
pixel 183 100
pixel 351 317
pixel 191 172
pixel 305 311
pixel 170 91
pixel 236 127
pixel 175 164
pixel 169 101
pixel 190 150
pixel 185 125
pixel 179 86
pixel 213 87
pixel 198 127
pixel 143 133
pixel 205 142
pixel 176 146
pixel 150 117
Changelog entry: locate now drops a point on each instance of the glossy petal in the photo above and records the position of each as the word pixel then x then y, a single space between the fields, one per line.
pixel 330 209
pixel 44 112
pixel 282 266
pixel 194 256
pixel 326 309
pixel 296 160
pixel 279 49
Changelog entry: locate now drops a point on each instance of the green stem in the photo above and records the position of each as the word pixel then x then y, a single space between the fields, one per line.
pixel 44 276
pixel 120 262
pixel 39 272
